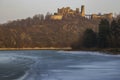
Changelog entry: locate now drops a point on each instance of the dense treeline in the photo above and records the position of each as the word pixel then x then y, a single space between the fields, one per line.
pixel 108 35
pixel 41 31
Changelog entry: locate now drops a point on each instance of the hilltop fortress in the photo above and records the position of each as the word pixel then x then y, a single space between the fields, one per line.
pixel 68 11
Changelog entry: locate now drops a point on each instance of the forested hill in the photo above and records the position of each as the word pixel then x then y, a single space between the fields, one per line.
pixel 43 32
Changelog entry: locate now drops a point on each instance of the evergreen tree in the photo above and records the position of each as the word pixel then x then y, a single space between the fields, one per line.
pixel 89 39
pixel 115 30
pixel 104 33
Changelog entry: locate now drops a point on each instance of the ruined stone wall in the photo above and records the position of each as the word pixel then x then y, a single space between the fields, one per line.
pixel 109 16
pixel 56 17
pixel 104 16
pixel 67 11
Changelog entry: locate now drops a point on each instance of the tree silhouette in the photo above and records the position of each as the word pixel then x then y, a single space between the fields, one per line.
pixel 90 38
pixel 115 30
pixel 104 32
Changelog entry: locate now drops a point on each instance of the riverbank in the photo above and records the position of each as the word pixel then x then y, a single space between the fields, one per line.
pixel 113 51
pixel 37 48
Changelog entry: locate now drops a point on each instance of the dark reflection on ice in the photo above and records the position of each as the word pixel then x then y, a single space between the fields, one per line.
pixel 58 65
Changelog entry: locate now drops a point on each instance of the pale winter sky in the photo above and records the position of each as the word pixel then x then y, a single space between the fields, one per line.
pixel 18 9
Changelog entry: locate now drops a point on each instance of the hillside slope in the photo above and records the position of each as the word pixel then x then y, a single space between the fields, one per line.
pixel 44 33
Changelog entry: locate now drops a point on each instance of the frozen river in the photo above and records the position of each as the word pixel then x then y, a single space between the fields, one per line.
pixel 58 65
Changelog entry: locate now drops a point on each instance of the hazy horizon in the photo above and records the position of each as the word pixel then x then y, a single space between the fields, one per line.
pixel 18 9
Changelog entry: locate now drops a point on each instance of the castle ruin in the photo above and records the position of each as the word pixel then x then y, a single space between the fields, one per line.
pixel 104 16
pixel 68 11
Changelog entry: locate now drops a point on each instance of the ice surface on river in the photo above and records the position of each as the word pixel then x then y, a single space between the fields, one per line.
pixel 58 65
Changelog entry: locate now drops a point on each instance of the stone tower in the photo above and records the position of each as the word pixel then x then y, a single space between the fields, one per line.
pixel 83 11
